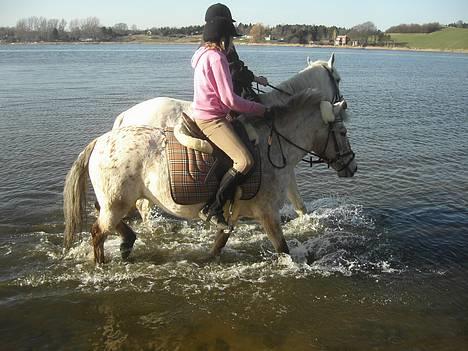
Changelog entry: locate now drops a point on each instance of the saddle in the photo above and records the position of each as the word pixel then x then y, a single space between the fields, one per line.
pixel 196 165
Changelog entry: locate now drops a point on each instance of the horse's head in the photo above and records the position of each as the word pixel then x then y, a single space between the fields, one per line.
pixel 317 84
pixel 336 149
pixel 331 142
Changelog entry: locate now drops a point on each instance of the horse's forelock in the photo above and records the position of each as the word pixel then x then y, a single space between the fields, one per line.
pixel 315 63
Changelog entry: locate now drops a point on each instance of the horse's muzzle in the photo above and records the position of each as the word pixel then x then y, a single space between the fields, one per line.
pixel 348 172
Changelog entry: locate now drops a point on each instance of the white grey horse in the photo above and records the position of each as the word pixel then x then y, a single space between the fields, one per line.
pixel 129 164
pixel 164 112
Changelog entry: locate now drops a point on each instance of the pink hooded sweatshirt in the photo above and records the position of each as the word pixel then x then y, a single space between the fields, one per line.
pixel 213 92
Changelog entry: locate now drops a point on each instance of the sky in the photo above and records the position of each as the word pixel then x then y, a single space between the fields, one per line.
pixel 158 13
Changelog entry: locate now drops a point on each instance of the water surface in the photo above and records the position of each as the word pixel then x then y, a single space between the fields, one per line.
pixel 378 263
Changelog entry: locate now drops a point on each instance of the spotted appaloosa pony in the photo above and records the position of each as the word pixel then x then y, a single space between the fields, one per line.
pixel 129 164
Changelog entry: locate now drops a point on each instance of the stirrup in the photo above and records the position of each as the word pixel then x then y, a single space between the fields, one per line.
pixel 217 220
pixel 204 214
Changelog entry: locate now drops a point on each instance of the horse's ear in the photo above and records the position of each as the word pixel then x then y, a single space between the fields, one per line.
pixel 331 61
pixel 309 61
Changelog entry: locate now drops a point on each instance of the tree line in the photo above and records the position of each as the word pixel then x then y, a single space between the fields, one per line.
pixel 90 29
pixel 424 28
pixel 415 28
pixel 35 29
pixel 364 34
pixel 43 29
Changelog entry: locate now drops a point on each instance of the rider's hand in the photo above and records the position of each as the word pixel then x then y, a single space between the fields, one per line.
pixel 261 80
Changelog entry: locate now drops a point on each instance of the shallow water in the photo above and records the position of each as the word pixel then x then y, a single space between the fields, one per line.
pixel 379 262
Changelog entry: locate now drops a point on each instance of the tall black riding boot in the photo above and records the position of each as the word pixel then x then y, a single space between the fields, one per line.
pixel 227 187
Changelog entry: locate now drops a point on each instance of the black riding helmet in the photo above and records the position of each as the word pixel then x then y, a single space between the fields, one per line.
pixel 218 10
pixel 217 28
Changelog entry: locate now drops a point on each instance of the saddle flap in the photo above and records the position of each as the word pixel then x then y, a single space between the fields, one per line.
pixel 192 180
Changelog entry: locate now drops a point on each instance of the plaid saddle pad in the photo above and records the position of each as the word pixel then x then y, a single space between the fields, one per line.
pixel 190 176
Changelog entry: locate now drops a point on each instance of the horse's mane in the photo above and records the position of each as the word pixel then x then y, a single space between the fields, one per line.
pixel 296 83
pixel 300 81
pixel 305 97
pixel 299 86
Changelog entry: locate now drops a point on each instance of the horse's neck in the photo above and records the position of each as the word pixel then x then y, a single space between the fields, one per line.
pixel 295 128
pixel 299 126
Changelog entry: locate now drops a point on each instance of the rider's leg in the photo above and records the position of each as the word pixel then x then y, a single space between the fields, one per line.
pixel 222 134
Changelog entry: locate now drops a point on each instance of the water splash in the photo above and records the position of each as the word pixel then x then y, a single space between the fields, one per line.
pixel 335 237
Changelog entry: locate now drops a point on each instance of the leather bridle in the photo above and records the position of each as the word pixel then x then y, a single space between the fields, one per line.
pixel 334 128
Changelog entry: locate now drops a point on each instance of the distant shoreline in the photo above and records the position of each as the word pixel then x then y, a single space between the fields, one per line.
pixel 238 43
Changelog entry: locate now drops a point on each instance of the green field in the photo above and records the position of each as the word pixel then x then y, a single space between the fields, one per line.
pixel 446 39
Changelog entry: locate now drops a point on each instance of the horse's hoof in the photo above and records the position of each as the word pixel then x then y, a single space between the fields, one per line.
pixel 125 250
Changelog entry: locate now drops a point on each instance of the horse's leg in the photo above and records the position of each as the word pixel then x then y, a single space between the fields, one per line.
pixel 271 223
pixel 109 221
pixel 99 237
pixel 128 239
pixel 295 198
pixel 144 208
pixel 220 241
pixel 222 236
pixel 127 234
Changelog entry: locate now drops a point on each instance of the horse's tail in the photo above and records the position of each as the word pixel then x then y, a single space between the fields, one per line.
pixel 74 194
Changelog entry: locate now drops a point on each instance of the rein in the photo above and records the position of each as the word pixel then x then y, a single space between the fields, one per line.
pixel 280 136
pixel 273 87
pixel 280 90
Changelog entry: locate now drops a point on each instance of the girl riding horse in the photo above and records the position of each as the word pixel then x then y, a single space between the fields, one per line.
pixel 213 99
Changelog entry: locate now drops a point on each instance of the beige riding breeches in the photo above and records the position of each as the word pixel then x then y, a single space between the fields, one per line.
pixel 222 134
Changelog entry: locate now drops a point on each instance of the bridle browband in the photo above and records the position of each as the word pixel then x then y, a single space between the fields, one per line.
pixel 337 97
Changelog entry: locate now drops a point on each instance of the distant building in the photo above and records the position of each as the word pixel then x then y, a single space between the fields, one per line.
pixel 341 40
